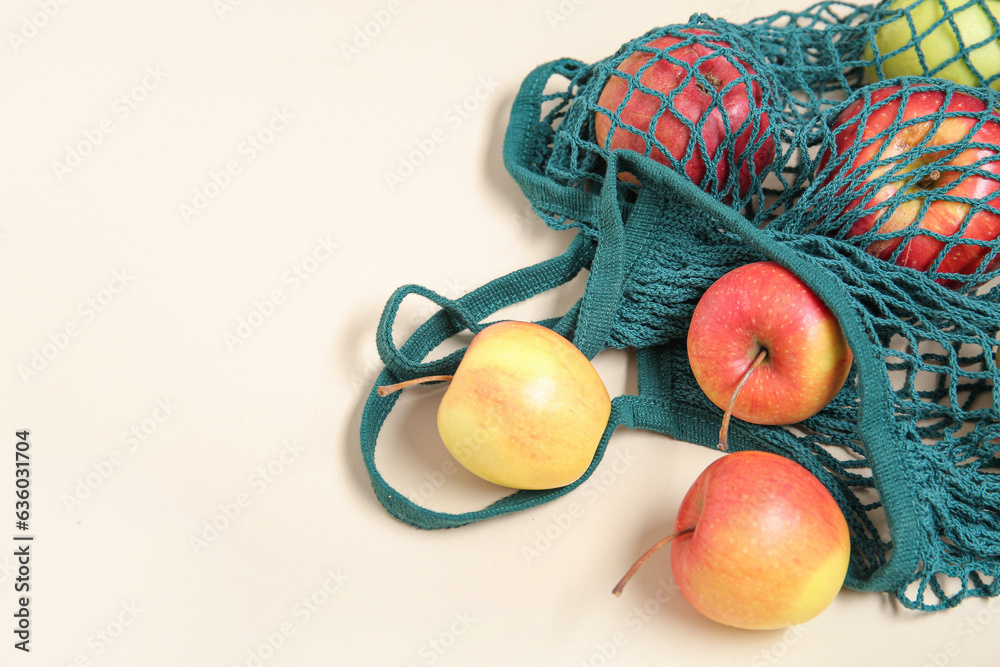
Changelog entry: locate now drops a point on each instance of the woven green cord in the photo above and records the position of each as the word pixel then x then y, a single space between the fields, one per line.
pixel 910 441
pixel 875 419
pixel 523 146
pixel 406 361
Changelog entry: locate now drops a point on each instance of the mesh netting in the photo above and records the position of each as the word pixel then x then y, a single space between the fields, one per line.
pixel 890 188
pixel 697 148
pixel 952 39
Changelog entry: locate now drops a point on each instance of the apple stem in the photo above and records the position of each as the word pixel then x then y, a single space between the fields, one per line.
pixel 929 180
pixel 387 389
pixel 712 80
pixel 649 552
pixel 724 430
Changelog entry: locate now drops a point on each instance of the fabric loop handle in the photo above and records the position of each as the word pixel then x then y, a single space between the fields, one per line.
pixel 451 319
pixel 406 361
pixel 522 146
pixel 468 311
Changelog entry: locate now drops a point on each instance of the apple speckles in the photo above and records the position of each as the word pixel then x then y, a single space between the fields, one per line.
pixel 759 556
pixel 764 306
pixel 526 409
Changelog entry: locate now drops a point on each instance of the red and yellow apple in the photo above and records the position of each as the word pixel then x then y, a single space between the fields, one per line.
pixel 936 30
pixel 758 543
pixel 759 328
pixel 911 178
pixel 690 67
pixel 525 408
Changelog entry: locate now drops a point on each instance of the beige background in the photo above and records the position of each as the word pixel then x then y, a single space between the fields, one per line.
pixel 198 497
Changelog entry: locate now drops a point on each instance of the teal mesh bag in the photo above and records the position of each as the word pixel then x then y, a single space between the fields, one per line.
pixel 806 171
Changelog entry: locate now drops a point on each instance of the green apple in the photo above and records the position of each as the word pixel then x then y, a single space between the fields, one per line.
pixel 976 24
pixel 525 408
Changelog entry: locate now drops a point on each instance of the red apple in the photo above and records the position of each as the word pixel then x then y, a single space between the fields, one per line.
pixel 686 63
pixel 761 325
pixel 941 152
pixel 758 543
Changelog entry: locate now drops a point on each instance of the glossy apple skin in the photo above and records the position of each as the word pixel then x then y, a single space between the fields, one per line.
pixel 860 124
pixel 770 546
pixel 764 305
pixel 691 102
pixel 940 45
pixel 526 409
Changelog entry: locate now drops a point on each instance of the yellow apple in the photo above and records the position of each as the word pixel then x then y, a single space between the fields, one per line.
pixel 525 408
pixel 976 25
pixel 759 543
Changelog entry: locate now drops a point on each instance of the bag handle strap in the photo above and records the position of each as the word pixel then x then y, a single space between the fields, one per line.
pixel 407 361
pixel 466 312
pixel 525 142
